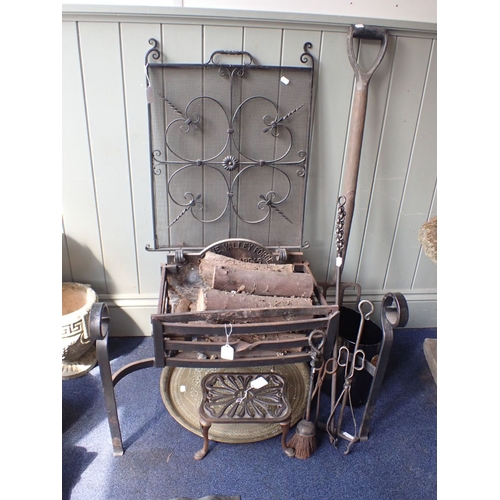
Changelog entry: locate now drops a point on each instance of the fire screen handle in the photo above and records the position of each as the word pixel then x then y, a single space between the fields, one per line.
pixel 231 53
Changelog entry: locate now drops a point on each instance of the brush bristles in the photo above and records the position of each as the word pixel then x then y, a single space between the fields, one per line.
pixel 304 440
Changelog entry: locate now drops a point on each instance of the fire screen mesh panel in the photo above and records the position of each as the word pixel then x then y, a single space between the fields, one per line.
pixel 229 149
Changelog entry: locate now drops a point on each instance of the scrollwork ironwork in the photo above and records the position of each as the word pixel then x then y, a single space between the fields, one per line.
pixel 196 200
pixel 155 162
pixel 189 206
pixel 268 201
pixel 273 125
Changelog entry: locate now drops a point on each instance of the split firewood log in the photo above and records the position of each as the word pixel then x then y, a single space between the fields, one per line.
pixel 212 259
pixel 210 299
pixel 262 282
pixel 182 305
pixel 228 274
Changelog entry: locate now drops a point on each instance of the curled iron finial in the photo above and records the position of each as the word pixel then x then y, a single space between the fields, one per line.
pixel 154 52
pixel 306 56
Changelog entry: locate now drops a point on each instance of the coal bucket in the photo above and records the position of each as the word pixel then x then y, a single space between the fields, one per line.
pixel 370 343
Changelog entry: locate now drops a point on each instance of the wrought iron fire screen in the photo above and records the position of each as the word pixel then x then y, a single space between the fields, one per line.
pixel 229 149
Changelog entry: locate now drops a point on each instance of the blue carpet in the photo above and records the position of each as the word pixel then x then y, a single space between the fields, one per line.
pixel 397 462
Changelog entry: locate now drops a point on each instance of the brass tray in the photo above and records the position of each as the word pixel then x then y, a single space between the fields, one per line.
pixel 180 390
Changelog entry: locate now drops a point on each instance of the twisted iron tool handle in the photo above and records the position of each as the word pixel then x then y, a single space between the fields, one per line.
pixel 339 240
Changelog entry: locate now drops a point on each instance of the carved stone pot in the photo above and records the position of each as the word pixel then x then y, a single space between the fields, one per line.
pixel 78 350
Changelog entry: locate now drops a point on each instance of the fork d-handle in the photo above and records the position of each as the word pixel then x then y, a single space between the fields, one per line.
pixel 358 114
pixel 369 32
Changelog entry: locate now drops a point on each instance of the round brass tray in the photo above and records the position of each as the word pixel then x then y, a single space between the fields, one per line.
pixel 180 390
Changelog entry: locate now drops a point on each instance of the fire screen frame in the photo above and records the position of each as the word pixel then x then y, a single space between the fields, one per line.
pixel 229 151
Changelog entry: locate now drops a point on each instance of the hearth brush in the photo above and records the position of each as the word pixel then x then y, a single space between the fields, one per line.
pixel 304 440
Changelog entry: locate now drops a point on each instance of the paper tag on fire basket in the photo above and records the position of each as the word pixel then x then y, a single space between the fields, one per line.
pixel 258 383
pixel 227 352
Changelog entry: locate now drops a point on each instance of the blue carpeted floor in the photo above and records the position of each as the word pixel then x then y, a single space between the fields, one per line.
pixel 397 462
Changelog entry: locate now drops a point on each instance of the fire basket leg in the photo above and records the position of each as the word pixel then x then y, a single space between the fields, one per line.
pixel 394 314
pixel 99 324
pixel 109 397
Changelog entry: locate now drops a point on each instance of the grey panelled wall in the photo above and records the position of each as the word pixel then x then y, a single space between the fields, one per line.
pixel 106 195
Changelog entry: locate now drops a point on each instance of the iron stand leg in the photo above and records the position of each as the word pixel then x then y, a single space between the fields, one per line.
pixel 99 325
pixel 285 428
pixel 394 314
pixel 205 427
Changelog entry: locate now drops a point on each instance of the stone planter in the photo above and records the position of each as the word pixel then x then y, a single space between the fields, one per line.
pixel 78 350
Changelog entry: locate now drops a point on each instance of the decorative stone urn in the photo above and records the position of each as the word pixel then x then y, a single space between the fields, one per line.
pixel 78 350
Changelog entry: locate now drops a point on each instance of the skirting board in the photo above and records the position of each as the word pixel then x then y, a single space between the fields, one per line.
pixel 131 314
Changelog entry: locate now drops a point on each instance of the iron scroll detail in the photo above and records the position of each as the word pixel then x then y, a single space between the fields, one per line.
pixel 153 52
pixel 306 56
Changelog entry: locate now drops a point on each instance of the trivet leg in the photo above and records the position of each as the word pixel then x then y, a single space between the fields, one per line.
pixel 201 453
pixel 285 427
